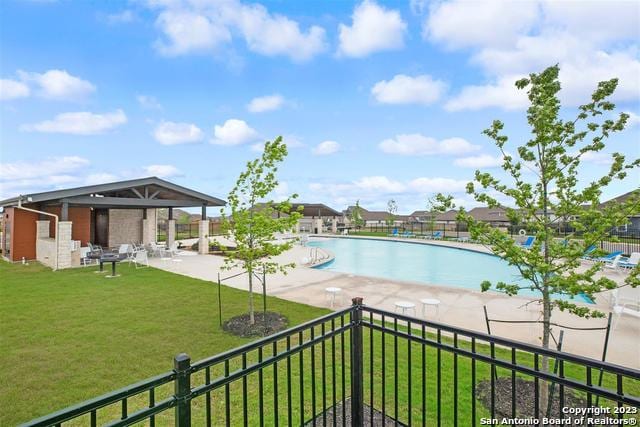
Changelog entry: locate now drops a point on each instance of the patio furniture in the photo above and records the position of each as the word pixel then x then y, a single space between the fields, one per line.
pixel 430 302
pixel 394 233
pixel 625 301
pixel 407 234
pixel 331 293
pixel 437 235
pixel 405 306
pixel 155 249
pixel 587 251
pixel 631 262
pixel 125 252
pixel 141 258
pixel 95 249
pixel 528 244
pixel 463 239
pixel 609 257
pixel 613 264
pixel 84 256
pixel 113 259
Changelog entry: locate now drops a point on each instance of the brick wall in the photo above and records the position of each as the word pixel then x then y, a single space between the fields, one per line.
pixel 125 226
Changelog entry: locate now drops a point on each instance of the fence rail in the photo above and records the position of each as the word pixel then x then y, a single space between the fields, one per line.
pixel 625 241
pixel 185 231
pixel 365 365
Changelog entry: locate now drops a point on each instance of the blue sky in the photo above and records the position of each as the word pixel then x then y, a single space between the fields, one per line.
pixel 376 100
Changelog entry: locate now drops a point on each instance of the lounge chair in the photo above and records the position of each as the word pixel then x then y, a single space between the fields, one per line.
pixel 407 234
pixel 528 244
pixel 394 233
pixel 587 251
pixel 607 258
pixel 437 235
pixel 631 262
pixel 613 264
pixel 625 301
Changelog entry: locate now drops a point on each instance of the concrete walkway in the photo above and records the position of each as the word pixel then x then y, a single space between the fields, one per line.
pixel 459 307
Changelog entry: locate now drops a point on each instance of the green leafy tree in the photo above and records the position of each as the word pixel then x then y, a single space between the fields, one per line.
pixel 550 191
pixel 253 220
pixel 356 216
pixel 435 205
pixel 392 210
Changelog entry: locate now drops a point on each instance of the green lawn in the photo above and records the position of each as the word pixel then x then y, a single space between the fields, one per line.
pixel 72 335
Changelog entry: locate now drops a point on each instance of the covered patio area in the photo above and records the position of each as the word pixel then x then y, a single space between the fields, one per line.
pixel 53 226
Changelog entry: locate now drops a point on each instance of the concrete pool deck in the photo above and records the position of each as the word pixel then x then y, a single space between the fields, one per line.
pixel 459 307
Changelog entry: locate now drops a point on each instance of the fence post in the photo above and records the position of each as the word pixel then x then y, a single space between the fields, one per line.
pixel 356 363
pixel 182 390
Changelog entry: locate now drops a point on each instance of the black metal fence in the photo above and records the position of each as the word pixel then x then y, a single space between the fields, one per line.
pixel 452 230
pixel 365 366
pixel 185 231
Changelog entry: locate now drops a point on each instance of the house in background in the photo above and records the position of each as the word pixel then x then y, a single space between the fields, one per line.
pixel 634 216
pixel 373 218
pixel 51 227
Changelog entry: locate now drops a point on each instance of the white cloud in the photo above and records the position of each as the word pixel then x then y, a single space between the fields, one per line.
pixel 162 171
pixel 170 133
pixel 597 158
pixel 273 35
pixel 58 84
pixel 591 42
pixel 148 102
pixel 463 23
pixel 199 27
pixel 502 94
pixel 326 148
pixel 12 89
pixel 234 132
pixel 189 32
pixel 79 123
pixel 265 103
pixel 402 89
pixel 374 29
pixel 54 166
pixel 634 120
pixel 419 145
pixel 480 161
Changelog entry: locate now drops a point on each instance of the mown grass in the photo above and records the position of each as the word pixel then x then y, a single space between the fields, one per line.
pixel 72 335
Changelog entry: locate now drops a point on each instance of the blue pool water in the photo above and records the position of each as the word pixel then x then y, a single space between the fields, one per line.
pixel 431 264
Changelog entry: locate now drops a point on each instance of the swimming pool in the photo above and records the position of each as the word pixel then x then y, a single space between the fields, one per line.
pixel 429 264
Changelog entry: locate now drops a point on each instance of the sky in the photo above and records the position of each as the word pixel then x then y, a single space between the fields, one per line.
pixel 375 100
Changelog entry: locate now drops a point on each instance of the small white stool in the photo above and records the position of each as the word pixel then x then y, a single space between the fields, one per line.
pixel 430 301
pixel 332 292
pixel 405 306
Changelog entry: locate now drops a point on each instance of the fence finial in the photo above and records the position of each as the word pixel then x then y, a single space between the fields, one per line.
pixel 356 301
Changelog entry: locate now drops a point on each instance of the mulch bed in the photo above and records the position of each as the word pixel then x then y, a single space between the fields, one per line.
pixel 240 325
pixel 525 395
pixel 377 417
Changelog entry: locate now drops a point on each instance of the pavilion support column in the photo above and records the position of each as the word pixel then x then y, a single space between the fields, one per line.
pixel 203 237
pixel 64 244
pixel 334 225
pixel 148 227
pixel 317 225
pixel 171 232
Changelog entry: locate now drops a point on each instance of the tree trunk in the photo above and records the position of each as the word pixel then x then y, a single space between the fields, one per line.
pixel 545 387
pixel 252 319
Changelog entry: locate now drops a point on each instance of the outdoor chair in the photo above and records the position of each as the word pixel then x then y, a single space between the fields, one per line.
pixel 140 258
pixel 407 234
pixel 587 251
pixel 155 249
pixel 613 264
pixel 608 258
pixel 124 252
pixel 631 262
pixel 625 301
pixel 393 233
pixel 84 256
pixel 95 249
pixel 528 244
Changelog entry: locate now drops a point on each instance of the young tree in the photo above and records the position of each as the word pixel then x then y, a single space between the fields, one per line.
pixel 356 216
pixel 392 209
pixel 545 187
pixel 253 220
